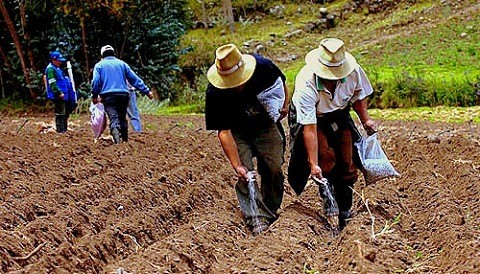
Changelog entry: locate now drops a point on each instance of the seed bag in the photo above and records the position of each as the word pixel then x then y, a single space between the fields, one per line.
pixel 272 99
pixel 375 164
pixel 98 119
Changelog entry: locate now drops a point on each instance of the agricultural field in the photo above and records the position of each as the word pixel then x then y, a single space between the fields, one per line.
pixel 165 203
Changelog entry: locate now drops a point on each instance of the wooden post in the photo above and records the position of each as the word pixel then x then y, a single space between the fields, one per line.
pixel 1 84
pixel 204 14
pixel 228 11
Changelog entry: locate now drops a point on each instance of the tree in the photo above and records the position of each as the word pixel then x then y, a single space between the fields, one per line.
pixel 228 12
pixel 144 33
pixel 18 46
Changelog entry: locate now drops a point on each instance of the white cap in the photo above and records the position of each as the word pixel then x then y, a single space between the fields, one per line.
pixel 105 48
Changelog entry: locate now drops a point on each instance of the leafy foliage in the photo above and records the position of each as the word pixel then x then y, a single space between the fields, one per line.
pixel 145 34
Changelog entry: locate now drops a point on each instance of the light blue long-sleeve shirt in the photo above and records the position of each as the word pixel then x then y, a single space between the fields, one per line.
pixel 112 74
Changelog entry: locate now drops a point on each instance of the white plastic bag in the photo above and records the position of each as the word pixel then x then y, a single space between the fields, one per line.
pixel 98 119
pixel 375 164
pixel 272 99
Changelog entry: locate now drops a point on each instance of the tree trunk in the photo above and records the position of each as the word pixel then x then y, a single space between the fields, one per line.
pixel 4 59
pixel 1 84
pixel 18 46
pixel 85 47
pixel 26 36
pixel 204 15
pixel 228 11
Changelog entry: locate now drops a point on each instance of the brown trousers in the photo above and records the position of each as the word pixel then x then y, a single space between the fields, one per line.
pixel 335 157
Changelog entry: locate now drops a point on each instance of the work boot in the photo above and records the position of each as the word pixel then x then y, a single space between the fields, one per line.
pixel 116 135
pixel 60 123
pixel 125 136
pixel 330 206
pixel 260 224
pixel 344 218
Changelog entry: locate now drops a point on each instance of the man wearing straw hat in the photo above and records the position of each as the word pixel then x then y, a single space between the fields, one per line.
pixel 322 131
pixel 245 101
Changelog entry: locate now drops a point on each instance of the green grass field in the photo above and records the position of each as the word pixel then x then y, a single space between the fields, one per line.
pixel 420 54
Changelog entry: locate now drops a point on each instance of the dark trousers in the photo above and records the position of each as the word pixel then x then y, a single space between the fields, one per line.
pixel 116 108
pixel 335 157
pixel 268 147
pixel 62 110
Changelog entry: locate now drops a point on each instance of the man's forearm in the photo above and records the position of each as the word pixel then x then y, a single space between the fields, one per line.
pixel 311 143
pixel 229 147
pixel 360 107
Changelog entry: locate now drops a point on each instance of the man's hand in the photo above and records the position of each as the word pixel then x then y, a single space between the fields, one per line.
pixel 242 172
pixel 283 113
pixel 61 95
pixel 370 127
pixel 150 95
pixel 316 171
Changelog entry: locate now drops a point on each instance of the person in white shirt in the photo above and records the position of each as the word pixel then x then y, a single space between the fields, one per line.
pixel 322 131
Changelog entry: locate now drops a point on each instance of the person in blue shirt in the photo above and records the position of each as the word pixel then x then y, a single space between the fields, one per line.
pixel 248 129
pixel 110 82
pixel 59 89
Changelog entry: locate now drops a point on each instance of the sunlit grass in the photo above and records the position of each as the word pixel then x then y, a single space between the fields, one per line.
pixel 183 109
pixel 429 114
pixel 409 47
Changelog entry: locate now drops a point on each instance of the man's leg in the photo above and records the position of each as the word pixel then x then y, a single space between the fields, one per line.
pixel 326 161
pixel 109 103
pixel 122 105
pixel 251 203
pixel 345 175
pixel 60 116
pixel 133 113
pixel 270 158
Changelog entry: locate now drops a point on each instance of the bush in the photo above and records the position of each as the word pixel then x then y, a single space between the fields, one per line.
pixel 408 89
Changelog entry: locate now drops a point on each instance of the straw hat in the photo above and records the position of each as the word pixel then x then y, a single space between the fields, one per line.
pixel 330 60
pixel 231 68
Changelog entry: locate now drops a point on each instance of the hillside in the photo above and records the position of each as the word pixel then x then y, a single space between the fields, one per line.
pixel 405 46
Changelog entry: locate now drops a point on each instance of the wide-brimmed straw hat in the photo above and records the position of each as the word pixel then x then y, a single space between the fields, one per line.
pixel 231 68
pixel 330 60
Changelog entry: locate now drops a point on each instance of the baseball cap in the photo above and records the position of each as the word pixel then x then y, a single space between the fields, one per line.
pixel 105 48
pixel 57 56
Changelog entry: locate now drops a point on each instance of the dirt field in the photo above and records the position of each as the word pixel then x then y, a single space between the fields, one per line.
pixel 165 203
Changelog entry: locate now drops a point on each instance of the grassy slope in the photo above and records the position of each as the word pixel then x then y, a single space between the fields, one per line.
pixel 422 39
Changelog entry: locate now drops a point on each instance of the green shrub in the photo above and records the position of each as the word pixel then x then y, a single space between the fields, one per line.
pixel 406 89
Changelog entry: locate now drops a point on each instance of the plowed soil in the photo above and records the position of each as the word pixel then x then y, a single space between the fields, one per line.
pixel 165 203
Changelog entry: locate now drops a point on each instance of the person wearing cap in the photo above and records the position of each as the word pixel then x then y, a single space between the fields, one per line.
pixel 322 131
pixel 111 77
pixel 249 127
pixel 59 89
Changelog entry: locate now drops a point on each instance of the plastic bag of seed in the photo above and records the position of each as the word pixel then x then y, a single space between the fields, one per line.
pixel 375 164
